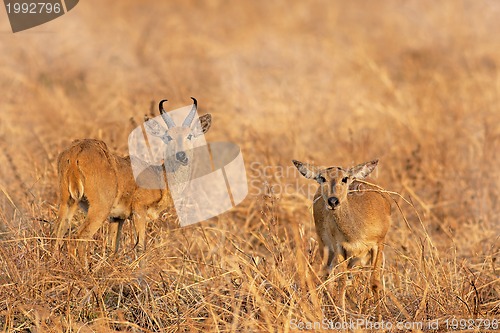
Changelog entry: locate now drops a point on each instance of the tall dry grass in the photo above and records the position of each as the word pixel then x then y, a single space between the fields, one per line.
pixel 413 83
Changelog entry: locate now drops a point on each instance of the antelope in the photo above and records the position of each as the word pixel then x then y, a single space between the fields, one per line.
pixel 103 184
pixel 351 225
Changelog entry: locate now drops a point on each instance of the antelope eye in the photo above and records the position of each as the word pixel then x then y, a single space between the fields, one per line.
pixel 168 137
pixel 344 180
pixel 190 136
pixel 321 179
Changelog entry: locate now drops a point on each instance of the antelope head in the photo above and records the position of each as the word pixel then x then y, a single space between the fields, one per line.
pixel 179 139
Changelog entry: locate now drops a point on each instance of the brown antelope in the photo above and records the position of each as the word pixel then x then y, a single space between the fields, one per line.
pixel 103 184
pixel 351 224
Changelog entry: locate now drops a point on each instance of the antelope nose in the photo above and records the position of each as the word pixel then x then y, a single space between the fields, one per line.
pixel 333 201
pixel 180 156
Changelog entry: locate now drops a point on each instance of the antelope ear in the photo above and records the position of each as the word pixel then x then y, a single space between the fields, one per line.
pixel 154 128
pixel 306 170
pixel 202 126
pixel 362 170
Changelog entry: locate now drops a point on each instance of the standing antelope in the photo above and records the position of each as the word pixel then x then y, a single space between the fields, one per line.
pixel 103 184
pixel 352 226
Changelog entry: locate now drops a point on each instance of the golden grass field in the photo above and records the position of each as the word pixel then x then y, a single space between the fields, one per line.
pixel 415 84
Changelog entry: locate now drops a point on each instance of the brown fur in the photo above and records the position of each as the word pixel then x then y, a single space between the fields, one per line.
pixel 103 185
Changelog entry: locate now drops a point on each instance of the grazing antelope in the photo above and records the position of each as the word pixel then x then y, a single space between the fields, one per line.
pixel 351 225
pixel 103 184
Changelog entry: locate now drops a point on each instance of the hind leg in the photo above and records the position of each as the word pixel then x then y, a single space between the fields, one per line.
pixel 140 221
pixel 94 220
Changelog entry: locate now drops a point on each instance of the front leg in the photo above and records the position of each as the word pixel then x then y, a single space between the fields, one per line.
pixel 140 220
pixel 377 258
pixel 343 282
pixel 329 254
pixel 95 218
pixel 114 234
pixel 62 225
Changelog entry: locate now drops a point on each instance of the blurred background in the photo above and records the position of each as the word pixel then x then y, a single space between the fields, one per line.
pixel 412 83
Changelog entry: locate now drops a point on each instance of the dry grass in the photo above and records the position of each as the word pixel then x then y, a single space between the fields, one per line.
pixel 415 84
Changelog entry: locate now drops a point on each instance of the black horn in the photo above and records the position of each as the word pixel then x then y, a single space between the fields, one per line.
pixel 189 119
pixel 169 121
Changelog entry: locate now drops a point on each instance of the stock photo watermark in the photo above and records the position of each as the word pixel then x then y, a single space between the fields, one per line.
pixel 449 324
pixel 285 180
